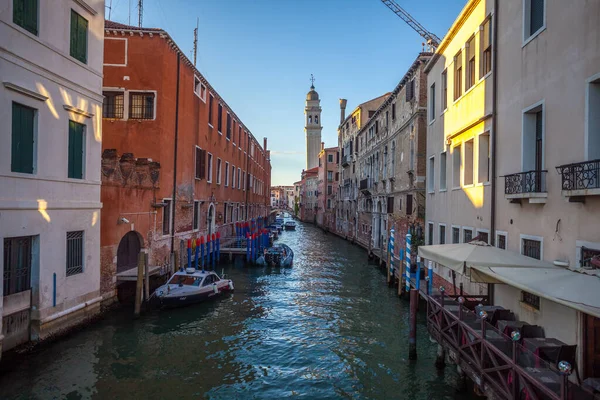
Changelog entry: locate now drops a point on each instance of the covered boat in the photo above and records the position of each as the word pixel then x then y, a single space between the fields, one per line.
pixel 191 286
pixel 280 255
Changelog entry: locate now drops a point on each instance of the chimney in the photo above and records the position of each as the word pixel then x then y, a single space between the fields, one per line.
pixel 265 144
pixel 322 146
pixel 342 110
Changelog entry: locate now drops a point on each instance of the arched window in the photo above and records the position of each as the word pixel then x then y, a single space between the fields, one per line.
pixel 316 119
pixel 310 119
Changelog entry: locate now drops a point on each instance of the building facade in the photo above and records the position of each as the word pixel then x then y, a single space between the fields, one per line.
pixel 308 195
pixel 312 128
pixel 460 121
pixel 327 186
pixel 347 199
pixel 51 136
pixel 280 197
pixel 391 163
pixel 177 162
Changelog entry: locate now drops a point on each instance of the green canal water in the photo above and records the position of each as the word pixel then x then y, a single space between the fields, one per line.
pixel 328 328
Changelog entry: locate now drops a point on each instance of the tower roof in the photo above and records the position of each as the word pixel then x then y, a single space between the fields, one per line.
pixel 312 95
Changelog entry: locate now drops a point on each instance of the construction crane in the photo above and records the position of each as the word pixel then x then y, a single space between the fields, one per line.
pixel 432 40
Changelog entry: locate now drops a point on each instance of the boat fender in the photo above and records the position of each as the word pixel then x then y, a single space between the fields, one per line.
pixel 215 288
pixel 230 285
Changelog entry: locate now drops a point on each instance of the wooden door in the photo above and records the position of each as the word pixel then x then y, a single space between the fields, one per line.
pixel 127 253
pixel 591 353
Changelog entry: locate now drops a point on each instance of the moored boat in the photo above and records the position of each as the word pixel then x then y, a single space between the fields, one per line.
pixel 191 286
pixel 279 255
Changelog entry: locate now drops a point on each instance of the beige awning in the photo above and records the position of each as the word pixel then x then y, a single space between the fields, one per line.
pixel 576 290
pixel 487 264
pixel 464 256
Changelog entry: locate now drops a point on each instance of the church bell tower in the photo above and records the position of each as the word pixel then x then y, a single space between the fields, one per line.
pixel 312 126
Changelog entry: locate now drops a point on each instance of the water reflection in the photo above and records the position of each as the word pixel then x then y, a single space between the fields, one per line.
pixel 326 328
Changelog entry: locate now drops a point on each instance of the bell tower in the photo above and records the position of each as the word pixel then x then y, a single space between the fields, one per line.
pixel 312 126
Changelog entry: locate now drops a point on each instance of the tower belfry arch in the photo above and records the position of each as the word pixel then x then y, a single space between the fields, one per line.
pixel 312 126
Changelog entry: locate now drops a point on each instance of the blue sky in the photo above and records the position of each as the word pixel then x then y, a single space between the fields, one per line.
pixel 259 54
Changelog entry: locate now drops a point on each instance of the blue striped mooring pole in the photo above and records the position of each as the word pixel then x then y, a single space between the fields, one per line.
pixel 408 239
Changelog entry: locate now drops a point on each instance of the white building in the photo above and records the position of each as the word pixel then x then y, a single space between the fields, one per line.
pixel 313 128
pixel 50 144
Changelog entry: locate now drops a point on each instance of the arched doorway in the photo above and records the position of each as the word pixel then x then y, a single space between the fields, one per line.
pixel 128 250
pixel 379 224
pixel 211 219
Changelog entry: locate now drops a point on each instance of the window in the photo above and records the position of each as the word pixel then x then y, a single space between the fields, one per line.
pixel 444 89
pixel 410 90
pixel 23 139
pixel 220 118
pixel 196 217
pixel 442 234
pixel 211 100
pixel 470 75
pixel 25 14
pixel 483 172
pixel 329 189
pixel 409 205
pixel 74 253
pixel 330 176
pixel 430 233
pixel 218 171
pixel 112 106
pixel 228 135
pixel 457 75
pixel 468 163
pixel 76 150
pixel 197 85
pixel 244 183
pixel 443 171
pixel 337 176
pixel 79 27
pixel 239 175
pixel 432 103
pixel 17 264
pixel 233 176
pixel 531 248
pixel 485 41
pixel 501 241
pixel 225 206
pixel 483 236
pixel 210 168
pixel 530 299
pixel 455 235
pixel 330 158
pixel 226 172
pixel 467 235
pixel 534 17
pixel 456 161
pixel 593 124
pixel 376 127
pixel 585 260
pixel 240 136
pixel 166 228
pixel 328 204
pixel 200 163
pixel 431 177
pixel 141 105
pixel 393 111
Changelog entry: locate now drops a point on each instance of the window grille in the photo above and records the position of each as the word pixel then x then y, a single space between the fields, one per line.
pixel 532 248
pixel 141 106
pixel 74 253
pixel 530 299
pixel 17 265
pixel 112 107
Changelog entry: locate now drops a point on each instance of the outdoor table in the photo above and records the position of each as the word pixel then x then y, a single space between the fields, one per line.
pixel 544 348
pixel 507 327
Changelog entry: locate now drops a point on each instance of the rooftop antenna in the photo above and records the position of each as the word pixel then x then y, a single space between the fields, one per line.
pixel 312 81
pixel 129 13
pixel 196 40
pixel 140 12
pixel 109 6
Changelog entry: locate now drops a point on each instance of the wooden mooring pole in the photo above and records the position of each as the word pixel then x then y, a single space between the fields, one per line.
pixel 139 284
pixel 412 335
pixel 146 276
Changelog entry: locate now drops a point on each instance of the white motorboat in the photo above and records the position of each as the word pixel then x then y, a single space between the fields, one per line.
pixel 191 286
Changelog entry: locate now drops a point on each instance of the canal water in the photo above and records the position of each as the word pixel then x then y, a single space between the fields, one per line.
pixel 328 328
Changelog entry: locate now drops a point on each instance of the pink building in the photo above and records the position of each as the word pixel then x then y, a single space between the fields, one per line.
pixel 328 178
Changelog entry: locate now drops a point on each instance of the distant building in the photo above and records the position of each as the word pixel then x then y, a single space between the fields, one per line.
pixel 308 195
pixel 50 146
pixel 280 195
pixel 328 178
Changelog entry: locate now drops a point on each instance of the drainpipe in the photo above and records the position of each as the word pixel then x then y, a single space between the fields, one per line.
pixel 174 202
pixel 494 134
pixel 247 178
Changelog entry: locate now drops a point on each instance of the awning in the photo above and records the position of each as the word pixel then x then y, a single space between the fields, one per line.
pixel 464 256
pixel 572 289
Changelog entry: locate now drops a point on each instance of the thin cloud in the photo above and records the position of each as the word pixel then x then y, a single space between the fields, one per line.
pixel 276 152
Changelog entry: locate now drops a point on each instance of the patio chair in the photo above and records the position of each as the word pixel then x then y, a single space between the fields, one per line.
pixel 569 354
pixel 502 315
pixel 532 331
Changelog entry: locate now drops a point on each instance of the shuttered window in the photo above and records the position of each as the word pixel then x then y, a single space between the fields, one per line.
pixel 196 221
pixel 79 28
pixel 166 228
pixel 410 90
pixel 22 146
pixel 200 163
pixel 17 265
pixel 76 149
pixel 25 14
pixel 74 253
pixel 409 204
pixel 458 75
pixel 390 205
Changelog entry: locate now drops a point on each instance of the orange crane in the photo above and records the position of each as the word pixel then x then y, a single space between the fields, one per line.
pixel 432 40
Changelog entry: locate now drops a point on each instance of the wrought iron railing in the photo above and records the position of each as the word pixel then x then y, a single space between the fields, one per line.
pixel 580 176
pixel 525 182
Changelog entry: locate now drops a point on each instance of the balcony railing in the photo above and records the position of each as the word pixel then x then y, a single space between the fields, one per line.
pixel 525 183
pixel 365 185
pixel 580 176
pixel 345 161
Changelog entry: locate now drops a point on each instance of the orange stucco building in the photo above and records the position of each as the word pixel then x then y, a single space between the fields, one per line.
pixel 177 161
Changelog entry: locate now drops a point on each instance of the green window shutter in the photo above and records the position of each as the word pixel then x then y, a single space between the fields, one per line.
pixel 25 14
pixel 19 12
pixel 76 138
pixel 82 39
pixel 74 27
pixel 22 139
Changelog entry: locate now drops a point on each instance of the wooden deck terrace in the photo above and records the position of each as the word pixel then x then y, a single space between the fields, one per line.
pixel 502 367
pixel 132 273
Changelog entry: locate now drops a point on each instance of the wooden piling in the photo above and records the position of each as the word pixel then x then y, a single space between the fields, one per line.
pixel 146 276
pixel 139 284
pixel 412 336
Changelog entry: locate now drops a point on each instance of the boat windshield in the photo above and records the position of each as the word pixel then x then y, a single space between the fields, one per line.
pixel 185 280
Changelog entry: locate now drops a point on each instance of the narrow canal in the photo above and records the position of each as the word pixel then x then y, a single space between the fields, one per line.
pixel 328 328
